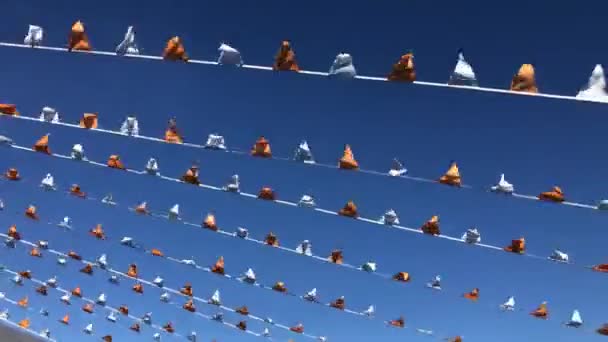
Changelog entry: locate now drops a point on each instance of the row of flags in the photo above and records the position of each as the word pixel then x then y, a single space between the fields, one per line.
pixel 249 276
pixel 350 209
pixel 89 308
pixel 262 148
pixel 285 60
pixel 517 246
pixel 132 273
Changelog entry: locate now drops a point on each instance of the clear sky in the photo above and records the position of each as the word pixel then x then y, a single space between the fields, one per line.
pixel 538 143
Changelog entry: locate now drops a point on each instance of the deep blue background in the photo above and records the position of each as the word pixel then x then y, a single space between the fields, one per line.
pixel 536 142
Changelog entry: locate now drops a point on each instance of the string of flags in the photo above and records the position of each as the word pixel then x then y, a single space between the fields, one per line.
pixel 88 307
pixel 471 237
pixel 209 223
pixel 24 323
pixel 249 277
pixel 132 273
pixel 285 60
pixel 302 153
pixel 404 70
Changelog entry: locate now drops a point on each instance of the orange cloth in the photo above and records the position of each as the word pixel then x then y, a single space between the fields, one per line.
pixel 404 70
pixel 139 288
pixel 555 195
pixel 88 308
pixel 74 255
pixel 42 145
pixel 31 212
pixel 88 121
pixel 191 176
pixel 75 190
pixel 135 327
pixel 285 60
pixel 24 323
pixel 168 327
pixel 26 274
pixel 348 161
pixel 23 302
pixel 115 163
pixel 12 174
pixel 186 290
pixel 452 176
pixel 242 325
pixel 349 210
pixel 541 311
pixel 219 266
pixel 243 310
pixel 87 269
pixel 271 240
pixel 8 109
pixel 338 304
pixel 209 222
pixel 78 39
pixel 98 232
pixel 399 323
pixel 172 134
pixel 12 232
pixel 603 330
pixel 267 194
pixel 157 252
pixel 77 292
pixel 175 50
pixel 65 320
pixel 336 257
pixel 189 306
pixel 42 290
pixel 473 295
pixel 601 268
pixel 298 329
pixel 132 272
pixel 279 286
pixel 456 339
pixel 261 148
pixel 35 252
pixel 402 276
pixel 431 226
pixel 525 80
pixel 142 208
pixel 517 246
pixel 107 338
pixel 123 309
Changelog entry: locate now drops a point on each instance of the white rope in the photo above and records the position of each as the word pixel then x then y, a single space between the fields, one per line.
pixel 315 73
pixel 151 284
pixel 330 166
pixel 294 204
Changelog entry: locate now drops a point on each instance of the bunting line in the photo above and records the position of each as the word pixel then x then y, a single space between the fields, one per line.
pixel 260 242
pixel 87 300
pixel 239 279
pixel 293 204
pixel 312 73
pixel 16 325
pixel 168 289
pixel 330 166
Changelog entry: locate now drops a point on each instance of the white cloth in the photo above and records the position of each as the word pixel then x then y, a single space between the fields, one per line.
pixel 130 126
pixel 595 89
pixel 229 55
pixel 128 44
pixel 343 66
pixel 34 36
pixel 49 114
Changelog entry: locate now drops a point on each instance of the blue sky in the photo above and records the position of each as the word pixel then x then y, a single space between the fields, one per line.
pixel 538 143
